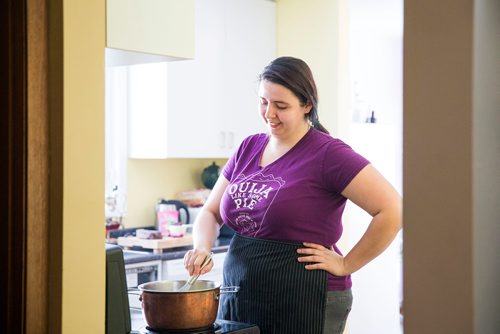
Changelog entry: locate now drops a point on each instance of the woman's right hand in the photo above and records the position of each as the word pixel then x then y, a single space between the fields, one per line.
pixel 193 260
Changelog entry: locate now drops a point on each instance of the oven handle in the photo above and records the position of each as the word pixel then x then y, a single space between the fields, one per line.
pixel 135 292
pixel 132 290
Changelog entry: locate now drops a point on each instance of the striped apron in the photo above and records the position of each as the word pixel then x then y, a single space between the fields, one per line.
pixel 276 292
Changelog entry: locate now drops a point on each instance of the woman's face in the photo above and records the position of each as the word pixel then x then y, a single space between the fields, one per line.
pixel 281 110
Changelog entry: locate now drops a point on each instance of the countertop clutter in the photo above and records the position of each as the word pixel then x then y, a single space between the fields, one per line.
pixel 157 245
pixel 138 254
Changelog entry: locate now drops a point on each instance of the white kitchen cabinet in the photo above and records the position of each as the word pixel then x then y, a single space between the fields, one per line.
pixel 250 36
pixel 193 102
pixel 155 27
pixel 148 121
pixel 211 100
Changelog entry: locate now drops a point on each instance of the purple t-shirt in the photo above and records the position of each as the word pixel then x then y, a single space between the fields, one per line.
pixel 295 198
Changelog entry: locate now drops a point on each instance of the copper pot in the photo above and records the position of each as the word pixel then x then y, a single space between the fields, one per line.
pixel 164 308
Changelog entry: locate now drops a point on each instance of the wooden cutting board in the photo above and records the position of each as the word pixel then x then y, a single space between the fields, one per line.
pixel 157 245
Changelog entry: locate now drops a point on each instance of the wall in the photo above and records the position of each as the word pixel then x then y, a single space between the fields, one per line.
pixel 486 162
pixel 438 168
pixel 83 263
pixel 376 43
pixel 148 180
pixel 377 286
pixel 451 158
pixel 312 31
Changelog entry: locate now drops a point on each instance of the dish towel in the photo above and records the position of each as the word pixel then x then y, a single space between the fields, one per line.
pixel 276 292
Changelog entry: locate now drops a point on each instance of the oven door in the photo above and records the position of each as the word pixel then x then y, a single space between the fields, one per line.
pixel 136 274
pixel 142 272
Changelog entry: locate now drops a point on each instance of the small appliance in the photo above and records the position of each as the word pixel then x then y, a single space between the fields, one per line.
pixel 169 204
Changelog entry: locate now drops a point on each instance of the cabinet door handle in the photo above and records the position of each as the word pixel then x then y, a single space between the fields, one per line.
pixel 230 139
pixel 222 139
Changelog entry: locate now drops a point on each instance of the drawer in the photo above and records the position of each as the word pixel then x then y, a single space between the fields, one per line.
pixel 142 272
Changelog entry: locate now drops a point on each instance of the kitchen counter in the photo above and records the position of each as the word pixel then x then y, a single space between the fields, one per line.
pixel 137 254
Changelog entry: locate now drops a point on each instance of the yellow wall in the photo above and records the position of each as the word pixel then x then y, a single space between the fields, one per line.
pixel 311 30
pixel 148 180
pixel 83 272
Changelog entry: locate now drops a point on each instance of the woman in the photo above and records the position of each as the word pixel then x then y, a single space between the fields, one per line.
pixel 284 193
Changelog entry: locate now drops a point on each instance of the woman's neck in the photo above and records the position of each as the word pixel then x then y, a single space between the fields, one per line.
pixel 290 141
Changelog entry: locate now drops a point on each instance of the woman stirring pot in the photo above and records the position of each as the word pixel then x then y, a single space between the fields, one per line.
pixel 284 193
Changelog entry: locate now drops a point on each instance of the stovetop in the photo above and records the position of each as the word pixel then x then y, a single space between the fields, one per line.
pixel 220 327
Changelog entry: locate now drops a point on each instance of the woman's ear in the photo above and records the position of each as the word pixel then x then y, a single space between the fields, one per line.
pixel 307 108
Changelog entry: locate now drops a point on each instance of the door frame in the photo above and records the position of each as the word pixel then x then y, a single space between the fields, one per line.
pixel 29 198
pixel 13 170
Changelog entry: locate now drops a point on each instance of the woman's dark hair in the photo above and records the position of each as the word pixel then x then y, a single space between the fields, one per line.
pixel 295 74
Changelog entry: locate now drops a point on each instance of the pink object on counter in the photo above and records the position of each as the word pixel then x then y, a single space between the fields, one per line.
pixel 165 219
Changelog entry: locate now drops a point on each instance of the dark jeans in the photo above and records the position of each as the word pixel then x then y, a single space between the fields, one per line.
pixel 338 306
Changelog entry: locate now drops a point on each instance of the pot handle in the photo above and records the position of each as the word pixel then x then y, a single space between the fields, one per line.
pixel 227 289
pixel 135 292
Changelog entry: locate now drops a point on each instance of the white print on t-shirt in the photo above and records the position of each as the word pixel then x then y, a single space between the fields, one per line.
pixel 253 193
pixel 244 197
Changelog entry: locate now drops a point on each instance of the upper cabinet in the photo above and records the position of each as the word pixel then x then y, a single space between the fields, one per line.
pixel 209 103
pixel 161 28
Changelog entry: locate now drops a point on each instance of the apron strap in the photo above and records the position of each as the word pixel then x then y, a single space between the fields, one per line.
pixel 276 292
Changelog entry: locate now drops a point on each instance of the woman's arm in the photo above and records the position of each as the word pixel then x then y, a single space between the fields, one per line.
pixel 206 229
pixel 374 194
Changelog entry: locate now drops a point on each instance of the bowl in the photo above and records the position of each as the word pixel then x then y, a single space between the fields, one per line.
pixel 177 231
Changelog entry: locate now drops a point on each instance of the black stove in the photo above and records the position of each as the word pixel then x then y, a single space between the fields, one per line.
pixel 215 328
pixel 220 327
pixel 139 326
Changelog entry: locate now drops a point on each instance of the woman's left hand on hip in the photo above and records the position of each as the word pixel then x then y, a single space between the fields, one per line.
pixel 319 257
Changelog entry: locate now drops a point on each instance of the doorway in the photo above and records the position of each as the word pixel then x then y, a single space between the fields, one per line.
pixel 375 131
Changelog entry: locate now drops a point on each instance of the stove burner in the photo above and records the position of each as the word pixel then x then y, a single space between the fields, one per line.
pixel 212 329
